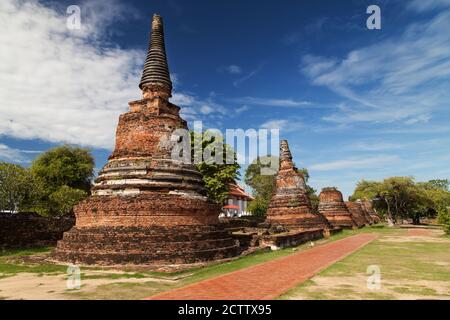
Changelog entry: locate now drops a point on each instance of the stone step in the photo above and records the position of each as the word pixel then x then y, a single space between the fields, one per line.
pixel 80 243
pixel 126 257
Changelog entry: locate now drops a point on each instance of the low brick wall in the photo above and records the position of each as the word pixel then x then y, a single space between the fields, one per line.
pixel 234 224
pixel 292 239
pixel 27 230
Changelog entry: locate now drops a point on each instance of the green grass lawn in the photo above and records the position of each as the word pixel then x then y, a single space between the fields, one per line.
pixel 10 264
pixel 409 269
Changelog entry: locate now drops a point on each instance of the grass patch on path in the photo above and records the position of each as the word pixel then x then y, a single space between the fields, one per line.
pixel 10 264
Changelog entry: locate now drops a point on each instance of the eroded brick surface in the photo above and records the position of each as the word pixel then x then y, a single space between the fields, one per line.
pixel 332 206
pixel 357 213
pixel 370 212
pixel 31 230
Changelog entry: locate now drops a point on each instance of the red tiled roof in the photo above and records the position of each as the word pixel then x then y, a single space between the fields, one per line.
pixel 230 206
pixel 238 191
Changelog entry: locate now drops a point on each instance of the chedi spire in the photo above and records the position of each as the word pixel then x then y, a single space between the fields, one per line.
pixel 285 156
pixel 155 79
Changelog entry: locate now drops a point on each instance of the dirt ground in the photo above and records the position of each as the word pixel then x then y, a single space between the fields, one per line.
pixel 414 265
pixel 31 286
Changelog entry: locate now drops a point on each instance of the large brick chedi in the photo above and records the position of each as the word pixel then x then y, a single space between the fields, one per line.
pixel 290 205
pixel 332 206
pixel 147 208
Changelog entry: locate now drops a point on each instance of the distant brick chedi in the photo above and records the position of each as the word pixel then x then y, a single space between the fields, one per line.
pixel 145 207
pixel 332 206
pixel 290 205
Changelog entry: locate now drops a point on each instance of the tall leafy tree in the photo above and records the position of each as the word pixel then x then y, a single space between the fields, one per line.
pixel 65 175
pixel 312 193
pixel 403 198
pixel 217 175
pixel 262 185
pixel 65 165
pixel 18 188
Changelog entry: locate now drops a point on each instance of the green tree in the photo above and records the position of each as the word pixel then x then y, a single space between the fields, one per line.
pixel 217 175
pixel 442 184
pixel 18 188
pixel 65 198
pixel 264 185
pixel 64 174
pixel 64 166
pixel 312 193
pixel 403 198
pixel 439 196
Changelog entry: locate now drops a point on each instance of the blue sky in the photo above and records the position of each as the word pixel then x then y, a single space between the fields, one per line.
pixel 354 103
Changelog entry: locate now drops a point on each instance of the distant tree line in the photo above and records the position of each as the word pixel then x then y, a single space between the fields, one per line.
pixel 56 181
pixel 394 198
pixel 403 198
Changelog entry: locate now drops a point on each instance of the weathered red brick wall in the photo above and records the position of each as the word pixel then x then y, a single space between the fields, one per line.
pixel 331 195
pixel 145 210
pixel 141 245
pixel 332 206
pixel 145 130
pixel 357 213
pixel 31 230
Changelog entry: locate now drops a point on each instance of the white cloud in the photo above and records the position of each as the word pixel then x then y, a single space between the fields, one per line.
pixel 247 77
pixel 60 85
pixel 376 146
pixel 284 125
pixel 425 5
pixel 196 109
pixel 275 124
pixel 231 69
pixel 15 155
pixel 271 102
pixel 400 79
pixel 241 109
pixel 355 163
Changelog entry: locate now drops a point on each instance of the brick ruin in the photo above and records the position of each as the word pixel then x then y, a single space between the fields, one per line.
pixel 28 230
pixel 290 219
pixel 366 213
pixel 370 212
pixel 145 207
pixel 290 205
pixel 332 206
pixel 358 214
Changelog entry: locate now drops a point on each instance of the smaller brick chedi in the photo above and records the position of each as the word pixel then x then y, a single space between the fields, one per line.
pixel 358 214
pixel 332 206
pixel 290 205
pixel 147 208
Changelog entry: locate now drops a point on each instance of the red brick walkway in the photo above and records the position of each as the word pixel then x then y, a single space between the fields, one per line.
pixel 270 279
